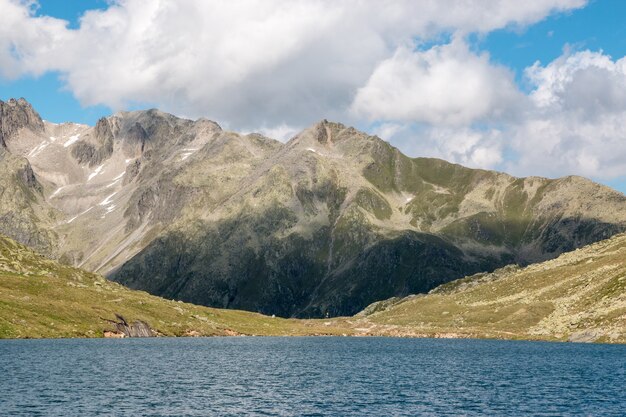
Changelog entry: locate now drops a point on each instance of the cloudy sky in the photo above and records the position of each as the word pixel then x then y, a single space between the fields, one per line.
pixel 533 87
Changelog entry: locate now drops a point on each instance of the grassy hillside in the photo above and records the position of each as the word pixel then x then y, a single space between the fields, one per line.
pixel 42 298
pixel 580 296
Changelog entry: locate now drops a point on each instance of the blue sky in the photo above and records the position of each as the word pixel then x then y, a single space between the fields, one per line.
pixel 598 26
pixel 279 92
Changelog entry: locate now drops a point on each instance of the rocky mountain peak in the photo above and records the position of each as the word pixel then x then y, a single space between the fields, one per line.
pixel 324 133
pixel 208 124
pixel 15 115
pixel 327 132
pixel 103 131
pixel 97 147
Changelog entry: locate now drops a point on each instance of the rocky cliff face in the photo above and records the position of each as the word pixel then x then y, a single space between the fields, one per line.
pixel 16 115
pixel 322 225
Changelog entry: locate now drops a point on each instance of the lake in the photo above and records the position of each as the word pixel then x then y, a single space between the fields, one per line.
pixel 308 376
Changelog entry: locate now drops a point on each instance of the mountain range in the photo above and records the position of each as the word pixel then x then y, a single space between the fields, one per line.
pixel 322 225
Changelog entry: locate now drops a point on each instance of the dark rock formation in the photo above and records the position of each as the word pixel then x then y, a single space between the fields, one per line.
pixel 17 114
pixel 87 153
pixel 135 329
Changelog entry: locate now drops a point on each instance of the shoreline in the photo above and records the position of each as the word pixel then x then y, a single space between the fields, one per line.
pixel 362 336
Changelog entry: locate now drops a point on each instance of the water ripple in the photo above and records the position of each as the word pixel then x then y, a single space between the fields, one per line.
pixel 309 377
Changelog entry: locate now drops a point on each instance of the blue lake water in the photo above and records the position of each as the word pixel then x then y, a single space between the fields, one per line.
pixel 309 377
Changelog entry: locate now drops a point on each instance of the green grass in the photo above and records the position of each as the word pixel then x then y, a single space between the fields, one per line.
pixel 42 298
pixel 585 289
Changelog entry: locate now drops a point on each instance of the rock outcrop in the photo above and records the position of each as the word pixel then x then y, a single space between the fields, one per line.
pixel 16 115
pixel 125 329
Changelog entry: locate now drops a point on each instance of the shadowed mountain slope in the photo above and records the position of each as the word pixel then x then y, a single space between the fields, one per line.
pixel 41 298
pixel 579 296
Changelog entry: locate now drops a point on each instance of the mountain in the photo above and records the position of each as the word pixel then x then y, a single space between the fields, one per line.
pixel 322 225
pixel 579 296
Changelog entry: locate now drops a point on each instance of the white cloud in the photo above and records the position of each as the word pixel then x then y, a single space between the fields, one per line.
pixel 281 132
pixel 447 84
pixel 387 131
pixel 587 81
pixel 559 144
pixel 245 63
pixel 25 41
pixel 476 148
pixel 577 125
pixel 572 123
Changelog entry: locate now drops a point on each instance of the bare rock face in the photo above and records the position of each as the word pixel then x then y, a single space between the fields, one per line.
pixel 125 329
pixel 15 115
pixel 23 212
pixel 27 176
pixel 94 154
pixel 24 215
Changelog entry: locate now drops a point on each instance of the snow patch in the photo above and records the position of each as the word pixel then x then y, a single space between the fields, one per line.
pixel 57 191
pixel 108 210
pixel 72 140
pixel 43 145
pixel 108 205
pixel 107 200
pixel 313 150
pixel 53 139
pixel 187 152
pixel 115 181
pixel 128 160
pixel 78 215
pixel 95 172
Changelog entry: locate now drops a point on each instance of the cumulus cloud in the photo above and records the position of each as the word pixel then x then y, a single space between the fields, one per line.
pixel 472 147
pixel 577 122
pixel 447 84
pixel 25 41
pixel 588 82
pixel 244 63
pixel 572 122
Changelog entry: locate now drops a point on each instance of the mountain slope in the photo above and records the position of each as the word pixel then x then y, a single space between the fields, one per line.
pixel 42 298
pixel 580 296
pixel 24 214
pixel 322 225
